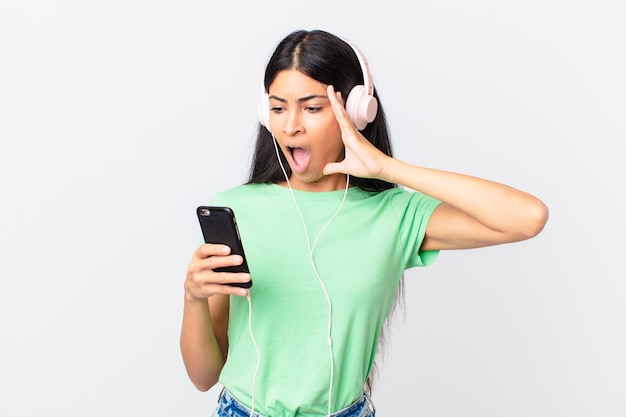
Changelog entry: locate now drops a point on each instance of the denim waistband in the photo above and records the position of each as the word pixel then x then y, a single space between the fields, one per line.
pixel 229 406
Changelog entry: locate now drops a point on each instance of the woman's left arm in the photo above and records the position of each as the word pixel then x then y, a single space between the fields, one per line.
pixel 474 212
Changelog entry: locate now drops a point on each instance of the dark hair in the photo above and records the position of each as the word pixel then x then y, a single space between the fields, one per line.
pixel 329 60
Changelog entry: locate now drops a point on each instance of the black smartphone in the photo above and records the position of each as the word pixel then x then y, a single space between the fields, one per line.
pixel 219 225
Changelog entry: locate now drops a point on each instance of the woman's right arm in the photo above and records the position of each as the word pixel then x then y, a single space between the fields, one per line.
pixel 203 339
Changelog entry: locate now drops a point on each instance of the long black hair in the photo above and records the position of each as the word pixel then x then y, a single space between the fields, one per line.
pixel 329 60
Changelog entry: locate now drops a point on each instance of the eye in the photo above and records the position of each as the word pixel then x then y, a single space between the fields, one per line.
pixel 276 109
pixel 313 109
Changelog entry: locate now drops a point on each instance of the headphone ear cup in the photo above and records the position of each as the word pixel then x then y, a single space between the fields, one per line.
pixel 263 110
pixel 361 107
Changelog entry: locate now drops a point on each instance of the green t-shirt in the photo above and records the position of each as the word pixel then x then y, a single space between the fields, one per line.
pixel 360 256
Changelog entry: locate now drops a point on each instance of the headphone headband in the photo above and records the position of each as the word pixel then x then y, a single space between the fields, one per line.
pixel 365 68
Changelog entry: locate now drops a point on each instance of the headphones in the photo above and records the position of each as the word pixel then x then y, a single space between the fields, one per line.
pixel 361 105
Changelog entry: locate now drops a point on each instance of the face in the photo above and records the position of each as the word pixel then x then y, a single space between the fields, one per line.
pixel 306 129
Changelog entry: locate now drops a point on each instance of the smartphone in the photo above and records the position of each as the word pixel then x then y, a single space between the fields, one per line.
pixel 219 225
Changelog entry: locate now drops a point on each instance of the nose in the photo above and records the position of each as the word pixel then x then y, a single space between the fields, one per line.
pixel 293 124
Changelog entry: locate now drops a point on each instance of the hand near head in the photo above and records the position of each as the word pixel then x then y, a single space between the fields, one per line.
pixel 202 281
pixel 362 159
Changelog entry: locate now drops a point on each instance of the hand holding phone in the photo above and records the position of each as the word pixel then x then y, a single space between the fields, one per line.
pixel 219 226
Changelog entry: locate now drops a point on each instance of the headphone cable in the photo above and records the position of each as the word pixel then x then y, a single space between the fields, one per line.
pixel 319 278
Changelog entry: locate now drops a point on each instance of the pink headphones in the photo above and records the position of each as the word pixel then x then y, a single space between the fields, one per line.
pixel 361 105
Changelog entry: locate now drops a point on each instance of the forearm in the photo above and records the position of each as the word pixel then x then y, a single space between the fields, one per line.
pixel 496 206
pixel 199 346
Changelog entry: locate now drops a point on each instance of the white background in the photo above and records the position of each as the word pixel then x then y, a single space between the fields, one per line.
pixel 118 118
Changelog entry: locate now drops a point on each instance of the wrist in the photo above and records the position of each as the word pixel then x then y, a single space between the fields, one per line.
pixel 390 169
pixel 190 298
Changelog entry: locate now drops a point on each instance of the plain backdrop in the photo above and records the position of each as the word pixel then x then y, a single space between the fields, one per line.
pixel 118 118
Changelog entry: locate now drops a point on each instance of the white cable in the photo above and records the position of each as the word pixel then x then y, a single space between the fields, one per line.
pixel 319 278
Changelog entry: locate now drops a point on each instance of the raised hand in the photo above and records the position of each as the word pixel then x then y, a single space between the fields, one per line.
pixel 362 159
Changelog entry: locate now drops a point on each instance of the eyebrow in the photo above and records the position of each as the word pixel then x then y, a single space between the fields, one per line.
pixel 300 100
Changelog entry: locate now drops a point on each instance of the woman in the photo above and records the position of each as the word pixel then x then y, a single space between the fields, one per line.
pixel 328 234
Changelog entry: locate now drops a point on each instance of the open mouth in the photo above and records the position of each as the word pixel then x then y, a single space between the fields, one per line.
pixel 300 158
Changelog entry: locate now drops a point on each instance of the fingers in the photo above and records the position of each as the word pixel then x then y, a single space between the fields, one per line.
pixel 220 284
pixel 334 96
pixel 336 102
pixel 210 249
pixel 206 283
pixel 334 168
pixel 202 280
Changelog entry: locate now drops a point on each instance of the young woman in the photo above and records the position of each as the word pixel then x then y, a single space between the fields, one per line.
pixel 329 221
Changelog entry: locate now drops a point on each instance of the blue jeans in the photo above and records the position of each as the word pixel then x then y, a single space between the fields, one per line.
pixel 228 406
